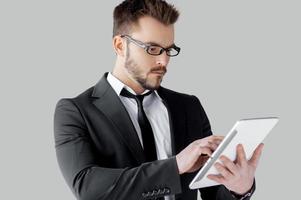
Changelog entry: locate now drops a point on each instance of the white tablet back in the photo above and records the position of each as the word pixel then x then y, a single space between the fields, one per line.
pixel 248 132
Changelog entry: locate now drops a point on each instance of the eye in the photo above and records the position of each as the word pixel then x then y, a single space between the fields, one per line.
pixel 172 51
pixel 154 49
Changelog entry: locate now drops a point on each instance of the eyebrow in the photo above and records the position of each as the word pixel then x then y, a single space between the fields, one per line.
pixel 156 44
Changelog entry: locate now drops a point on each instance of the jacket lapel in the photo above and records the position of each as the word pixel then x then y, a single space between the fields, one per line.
pixel 110 105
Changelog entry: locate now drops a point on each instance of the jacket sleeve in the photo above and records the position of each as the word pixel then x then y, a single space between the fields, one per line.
pixel 90 181
pixel 219 192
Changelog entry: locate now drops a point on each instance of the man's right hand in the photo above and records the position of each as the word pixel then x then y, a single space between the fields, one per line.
pixel 195 155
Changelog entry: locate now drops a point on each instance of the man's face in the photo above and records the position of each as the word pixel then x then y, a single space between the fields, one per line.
pixel 143 68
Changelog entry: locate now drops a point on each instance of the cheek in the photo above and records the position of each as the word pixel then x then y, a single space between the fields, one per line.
pixel 147 62
pixel 168 60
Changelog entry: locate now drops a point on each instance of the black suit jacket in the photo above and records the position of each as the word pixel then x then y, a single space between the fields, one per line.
pixel 101 157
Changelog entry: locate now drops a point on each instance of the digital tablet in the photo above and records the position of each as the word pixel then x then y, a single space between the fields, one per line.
pixel 248 132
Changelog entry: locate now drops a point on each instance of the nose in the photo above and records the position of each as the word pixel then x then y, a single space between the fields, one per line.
pixel 162 59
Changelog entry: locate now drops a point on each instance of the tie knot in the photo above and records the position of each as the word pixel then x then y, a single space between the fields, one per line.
pixel 124 92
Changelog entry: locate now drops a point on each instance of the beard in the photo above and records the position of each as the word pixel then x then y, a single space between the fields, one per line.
pixel 145 79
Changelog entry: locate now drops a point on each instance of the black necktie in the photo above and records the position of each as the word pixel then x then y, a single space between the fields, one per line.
pixel 146 129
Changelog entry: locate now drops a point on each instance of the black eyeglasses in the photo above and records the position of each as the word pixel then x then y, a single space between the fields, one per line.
pixel 154 50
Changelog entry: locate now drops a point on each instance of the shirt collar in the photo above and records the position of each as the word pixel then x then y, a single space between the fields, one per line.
pixel 117 85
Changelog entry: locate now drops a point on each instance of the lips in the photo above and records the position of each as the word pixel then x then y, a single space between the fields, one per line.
pixel 159 72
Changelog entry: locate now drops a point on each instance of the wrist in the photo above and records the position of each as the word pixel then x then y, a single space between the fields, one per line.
pixel 179 166
pixel 244 195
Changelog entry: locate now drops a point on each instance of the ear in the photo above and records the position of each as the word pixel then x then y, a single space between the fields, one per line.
pixel 119 46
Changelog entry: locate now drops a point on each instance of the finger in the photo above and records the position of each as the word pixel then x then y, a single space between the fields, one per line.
pixel 202 160
pixel 212 146
pixel 256 155
pixel 214 137
pixel 223 170
pixel 241 155
pixel 202 142
pixel 205 150
pixel 229 164
pixel 217 178
pixel 220 137
pixel 217 138
pixel 218 142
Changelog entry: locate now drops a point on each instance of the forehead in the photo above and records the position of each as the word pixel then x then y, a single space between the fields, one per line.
pixel 149 29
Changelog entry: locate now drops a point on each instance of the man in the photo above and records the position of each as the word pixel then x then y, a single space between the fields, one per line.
pixel 129 138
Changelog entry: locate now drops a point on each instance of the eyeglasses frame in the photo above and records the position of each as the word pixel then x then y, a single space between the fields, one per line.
pixel 147 46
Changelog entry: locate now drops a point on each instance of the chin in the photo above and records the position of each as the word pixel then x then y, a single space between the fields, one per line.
pixel 151 83
pixel 154 86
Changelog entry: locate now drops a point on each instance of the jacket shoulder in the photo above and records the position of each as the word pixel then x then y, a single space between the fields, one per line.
pixel 176 95
pixel 172 92
pixel 83 97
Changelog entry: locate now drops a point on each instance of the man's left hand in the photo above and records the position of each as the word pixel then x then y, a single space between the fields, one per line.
pixel 238 176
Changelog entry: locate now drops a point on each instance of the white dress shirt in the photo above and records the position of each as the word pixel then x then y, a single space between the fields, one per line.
pixel 156 113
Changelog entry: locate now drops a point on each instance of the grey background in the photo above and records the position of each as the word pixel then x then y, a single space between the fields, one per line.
pixel 241 58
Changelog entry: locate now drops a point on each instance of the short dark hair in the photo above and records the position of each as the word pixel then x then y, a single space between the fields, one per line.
pixel 128 13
